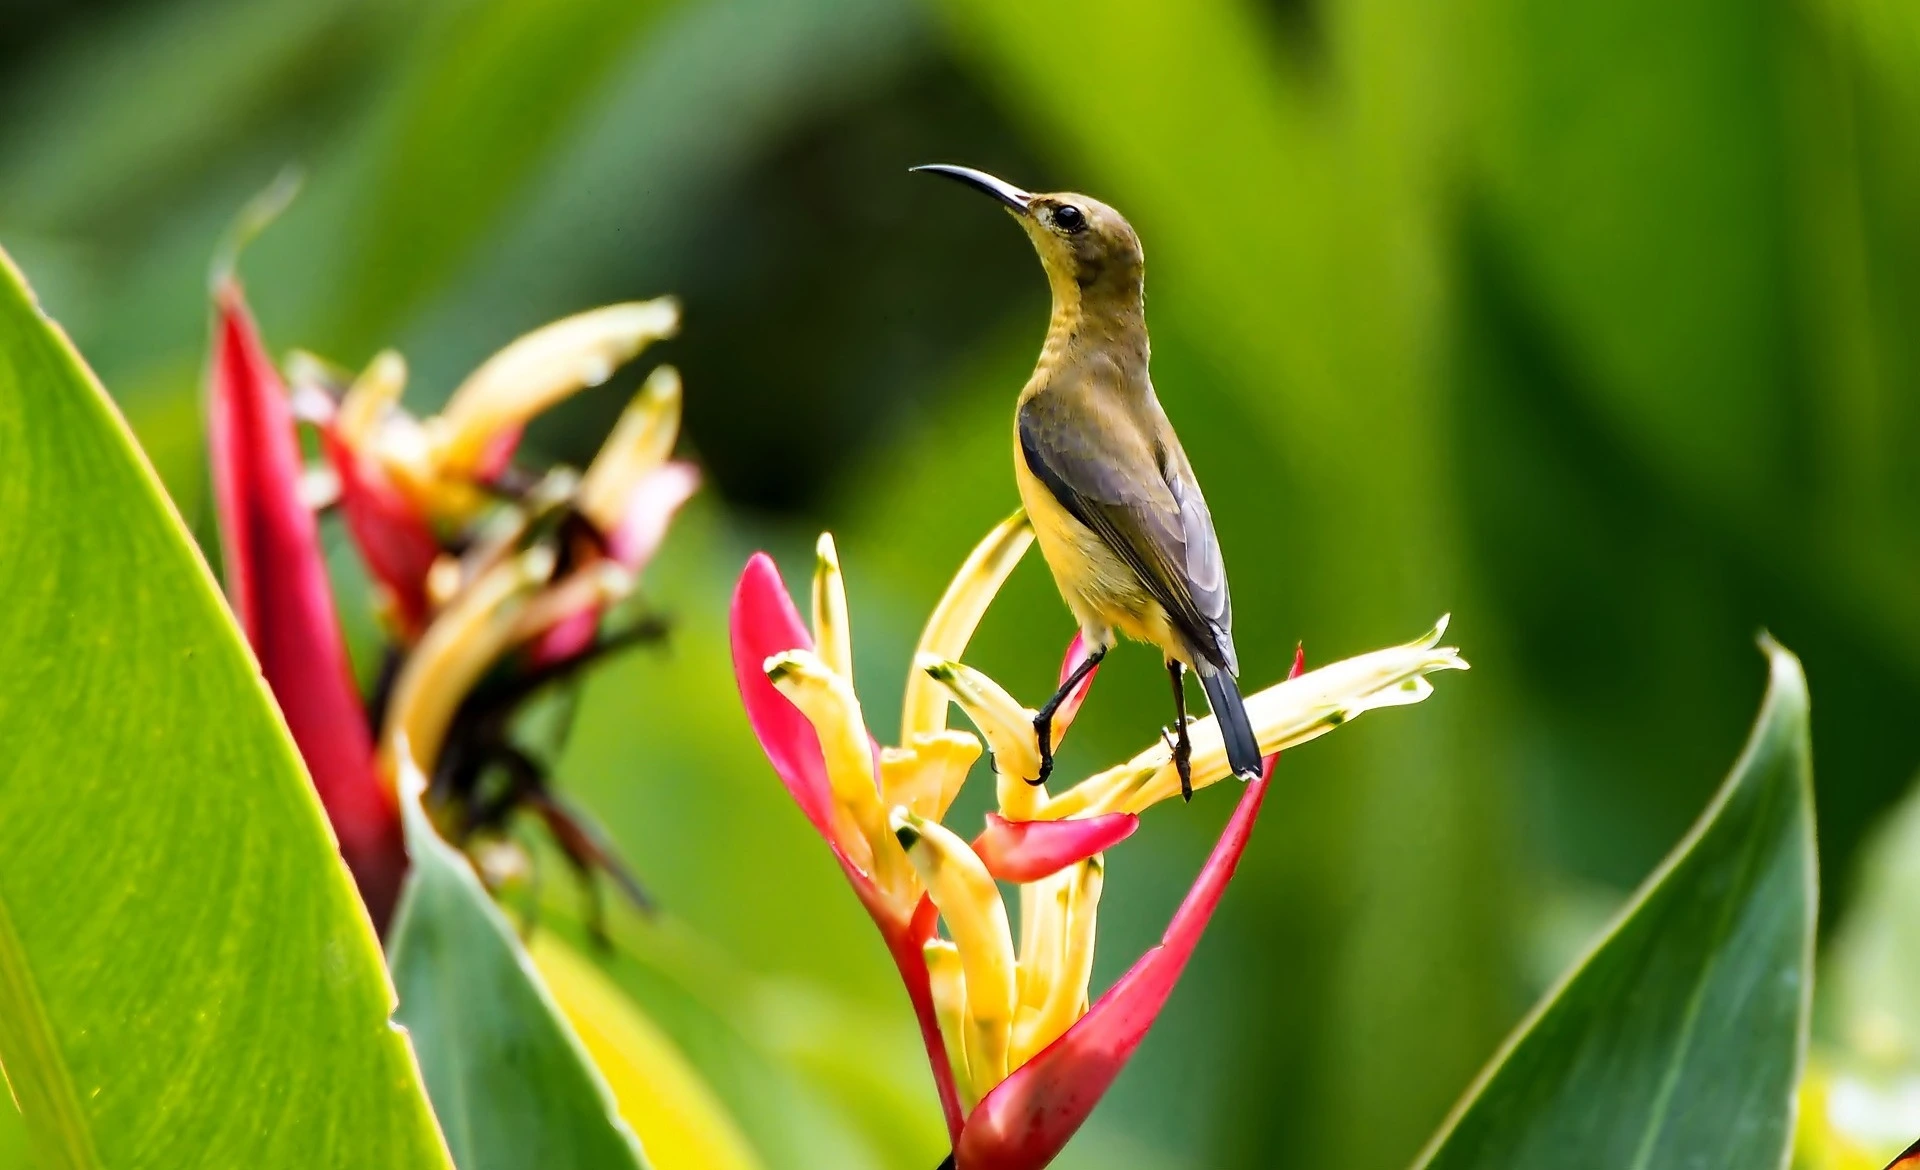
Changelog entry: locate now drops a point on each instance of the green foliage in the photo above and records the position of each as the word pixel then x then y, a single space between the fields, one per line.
pixel 186 975
pixel 1679 1040
pixel 509 1080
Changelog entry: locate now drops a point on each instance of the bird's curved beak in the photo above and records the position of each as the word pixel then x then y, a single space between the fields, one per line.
pixel 1005 192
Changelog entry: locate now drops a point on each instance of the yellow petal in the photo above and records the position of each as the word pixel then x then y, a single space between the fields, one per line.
pixel 399 444
pixel 638 444
pixel 1068 963
pixel 539 369
pixel 970 905
pixel 1007 726
pixel 952 623
pixel 373 395
pixel 1284 715
pixel 828 702
pixel 597 585
pixel 444 580
pixel 457 648
pixel 680 1122
pixel 832 635
pixel 927 774
pixel 948 983
pixel 1043 916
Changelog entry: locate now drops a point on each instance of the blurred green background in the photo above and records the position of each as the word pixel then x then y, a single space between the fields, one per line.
pixel 1596 323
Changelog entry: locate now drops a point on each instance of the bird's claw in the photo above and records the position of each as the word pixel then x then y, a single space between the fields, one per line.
pixel 1181 748
pixel 1043 740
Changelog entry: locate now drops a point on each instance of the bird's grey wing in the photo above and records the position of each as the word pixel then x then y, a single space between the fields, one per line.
pixel 1138 495
pixel 1206 570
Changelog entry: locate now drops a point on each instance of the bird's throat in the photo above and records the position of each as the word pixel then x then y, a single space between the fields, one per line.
pixel 1114 325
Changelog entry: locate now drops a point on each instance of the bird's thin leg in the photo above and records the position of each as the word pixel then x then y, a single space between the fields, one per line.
pixel 1182 745
pixel 1043 718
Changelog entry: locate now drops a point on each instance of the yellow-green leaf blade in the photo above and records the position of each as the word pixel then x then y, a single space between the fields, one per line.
pixel 1679 1040
pixel 186 975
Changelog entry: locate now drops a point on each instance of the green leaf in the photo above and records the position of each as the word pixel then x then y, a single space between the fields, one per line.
pixel 186 975
pixel 1679 1040
pixel 509 1078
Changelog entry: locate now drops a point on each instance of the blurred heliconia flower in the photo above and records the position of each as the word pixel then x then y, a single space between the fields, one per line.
pixel 1019 1053
pixel 409 484
pixel 1851 1120
pixel 494 581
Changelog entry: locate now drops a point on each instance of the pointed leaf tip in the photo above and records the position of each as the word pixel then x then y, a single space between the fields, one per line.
pixel 1680 1037
pixel 494 1047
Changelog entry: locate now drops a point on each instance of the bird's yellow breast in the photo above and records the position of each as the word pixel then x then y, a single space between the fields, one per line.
pixel 1104 593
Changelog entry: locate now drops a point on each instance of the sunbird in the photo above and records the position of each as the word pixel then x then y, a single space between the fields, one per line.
pixel 1114 504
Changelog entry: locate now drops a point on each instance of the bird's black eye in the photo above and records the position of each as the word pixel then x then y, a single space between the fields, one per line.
pixel 1069 219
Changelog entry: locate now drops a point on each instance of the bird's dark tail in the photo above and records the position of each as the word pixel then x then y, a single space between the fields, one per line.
pixel 1223 695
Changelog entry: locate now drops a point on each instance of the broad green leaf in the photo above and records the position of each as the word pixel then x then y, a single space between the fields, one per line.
pixel 1679 1040
pixel 13 1136
pixel 186 975
pixel 511 1083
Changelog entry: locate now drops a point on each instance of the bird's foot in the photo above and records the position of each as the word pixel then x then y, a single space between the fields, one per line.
pixel 1181 748
pixel 1043 739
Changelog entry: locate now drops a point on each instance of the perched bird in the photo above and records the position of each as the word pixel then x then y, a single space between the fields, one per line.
pixel 1115 508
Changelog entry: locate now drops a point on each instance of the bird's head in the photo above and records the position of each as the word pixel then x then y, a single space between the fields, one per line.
pixel 1089 250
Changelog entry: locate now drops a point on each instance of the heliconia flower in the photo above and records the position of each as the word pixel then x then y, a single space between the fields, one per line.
pixel 492 586
pixel 277 582
pixel 407 482
pixel 1019 1056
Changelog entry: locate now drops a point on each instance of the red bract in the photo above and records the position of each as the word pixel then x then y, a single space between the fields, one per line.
pixel 1070 706
pixel 393 537
pixel 650 509
pixel 763 623
pixel 1026 851
pixel 277 583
